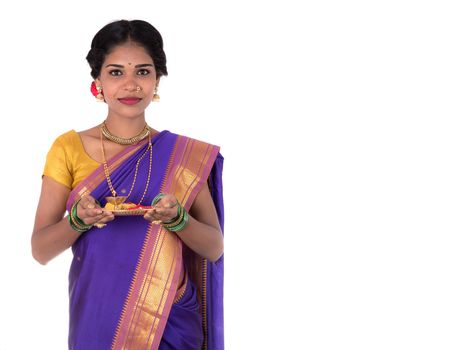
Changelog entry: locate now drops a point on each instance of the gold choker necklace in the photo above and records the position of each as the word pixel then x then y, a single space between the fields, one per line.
pixel 108 135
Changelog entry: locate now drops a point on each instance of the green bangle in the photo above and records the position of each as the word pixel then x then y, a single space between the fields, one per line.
pixel 182 224
pixel 73 226
pixel 75 222
pixel 157 198
pixel 177 218
pixel 176 224
pixel 78 226
pixel 75 217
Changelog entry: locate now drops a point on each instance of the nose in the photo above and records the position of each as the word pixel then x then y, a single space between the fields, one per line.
pixel 131 86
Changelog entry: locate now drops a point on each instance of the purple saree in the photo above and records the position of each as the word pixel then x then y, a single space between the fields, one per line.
pixel 124 283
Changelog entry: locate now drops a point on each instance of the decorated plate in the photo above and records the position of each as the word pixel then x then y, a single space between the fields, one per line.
pixel 129 212
pixel 137 210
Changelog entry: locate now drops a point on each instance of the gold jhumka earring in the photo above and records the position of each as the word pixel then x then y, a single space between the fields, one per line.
pixel 156 96
pixel 99 95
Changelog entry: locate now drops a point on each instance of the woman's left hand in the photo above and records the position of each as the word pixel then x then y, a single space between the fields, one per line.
pixel 165 210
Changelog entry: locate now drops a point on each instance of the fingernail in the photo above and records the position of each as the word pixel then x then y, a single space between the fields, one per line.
pixel 90 205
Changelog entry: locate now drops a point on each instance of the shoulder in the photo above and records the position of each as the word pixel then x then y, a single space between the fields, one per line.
pixel 200 154
pixel 192 140
pixel 66 145
pixel 66 139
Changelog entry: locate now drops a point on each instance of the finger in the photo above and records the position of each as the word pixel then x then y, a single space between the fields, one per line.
pixel 168 201
pixel 102 222
pixel 171 204
pixel 152 219
pixel 94 212
pixel 90 216
pixel 151 212
pixel 87 202
pixel 92 220
pixel 107 213
pixel 86 207
pixel 167 214
pixel 107 218
pixel 162 211
pixel 150 216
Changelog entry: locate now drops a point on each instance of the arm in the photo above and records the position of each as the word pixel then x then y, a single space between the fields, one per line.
pixel 202 234
pixel 52 233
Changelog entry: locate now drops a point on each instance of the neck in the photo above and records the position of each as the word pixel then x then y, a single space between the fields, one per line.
pixel 125 127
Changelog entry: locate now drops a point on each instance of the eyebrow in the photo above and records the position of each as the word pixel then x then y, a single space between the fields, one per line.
pixel 137 66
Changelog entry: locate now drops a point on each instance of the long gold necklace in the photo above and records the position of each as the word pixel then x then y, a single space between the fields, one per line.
pixel 107 171
pixel 130 141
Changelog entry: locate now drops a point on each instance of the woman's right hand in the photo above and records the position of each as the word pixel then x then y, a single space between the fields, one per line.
pixel 91 213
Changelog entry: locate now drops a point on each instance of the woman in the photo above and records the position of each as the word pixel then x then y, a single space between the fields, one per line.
pixel 147 270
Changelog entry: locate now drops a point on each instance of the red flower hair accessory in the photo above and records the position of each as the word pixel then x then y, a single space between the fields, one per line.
pixel 97 91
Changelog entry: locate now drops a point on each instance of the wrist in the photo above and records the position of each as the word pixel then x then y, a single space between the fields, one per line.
pixel 179 222
pixel 75 222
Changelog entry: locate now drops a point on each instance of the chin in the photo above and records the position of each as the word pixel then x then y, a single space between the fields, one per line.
pixel 131 112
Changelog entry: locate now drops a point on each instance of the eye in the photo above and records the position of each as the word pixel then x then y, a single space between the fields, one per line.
pixel 115 73
pixel 143 72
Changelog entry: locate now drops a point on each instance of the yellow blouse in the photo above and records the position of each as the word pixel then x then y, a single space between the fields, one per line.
pixel 67 161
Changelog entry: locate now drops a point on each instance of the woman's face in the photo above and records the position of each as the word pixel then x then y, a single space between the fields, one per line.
pixel 128 80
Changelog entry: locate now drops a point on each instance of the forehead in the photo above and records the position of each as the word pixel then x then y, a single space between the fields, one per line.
pixel 128 53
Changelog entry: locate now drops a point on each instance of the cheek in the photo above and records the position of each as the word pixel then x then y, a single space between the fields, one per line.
pixel 108 91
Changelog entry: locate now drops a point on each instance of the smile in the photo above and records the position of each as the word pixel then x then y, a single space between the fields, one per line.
pixel 129 100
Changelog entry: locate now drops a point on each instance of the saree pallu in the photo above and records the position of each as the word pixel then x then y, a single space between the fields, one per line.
pixel 124 278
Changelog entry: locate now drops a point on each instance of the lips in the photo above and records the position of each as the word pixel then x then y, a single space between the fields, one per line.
pixel 129 100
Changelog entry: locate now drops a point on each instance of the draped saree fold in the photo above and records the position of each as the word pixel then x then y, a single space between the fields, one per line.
pixel 124 281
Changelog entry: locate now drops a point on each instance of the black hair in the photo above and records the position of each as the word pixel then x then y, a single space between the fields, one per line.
pixel 120 32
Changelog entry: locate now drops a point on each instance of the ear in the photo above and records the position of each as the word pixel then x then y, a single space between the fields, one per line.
pixel 97 81
pixel 157 81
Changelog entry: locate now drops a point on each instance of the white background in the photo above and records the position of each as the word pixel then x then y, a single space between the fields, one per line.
pixel 338 121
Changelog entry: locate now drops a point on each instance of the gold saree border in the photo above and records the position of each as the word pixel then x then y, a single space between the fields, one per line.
pixel 156 280
pixel 149 291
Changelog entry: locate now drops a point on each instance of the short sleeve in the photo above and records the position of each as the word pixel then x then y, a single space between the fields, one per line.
pixel 57 164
